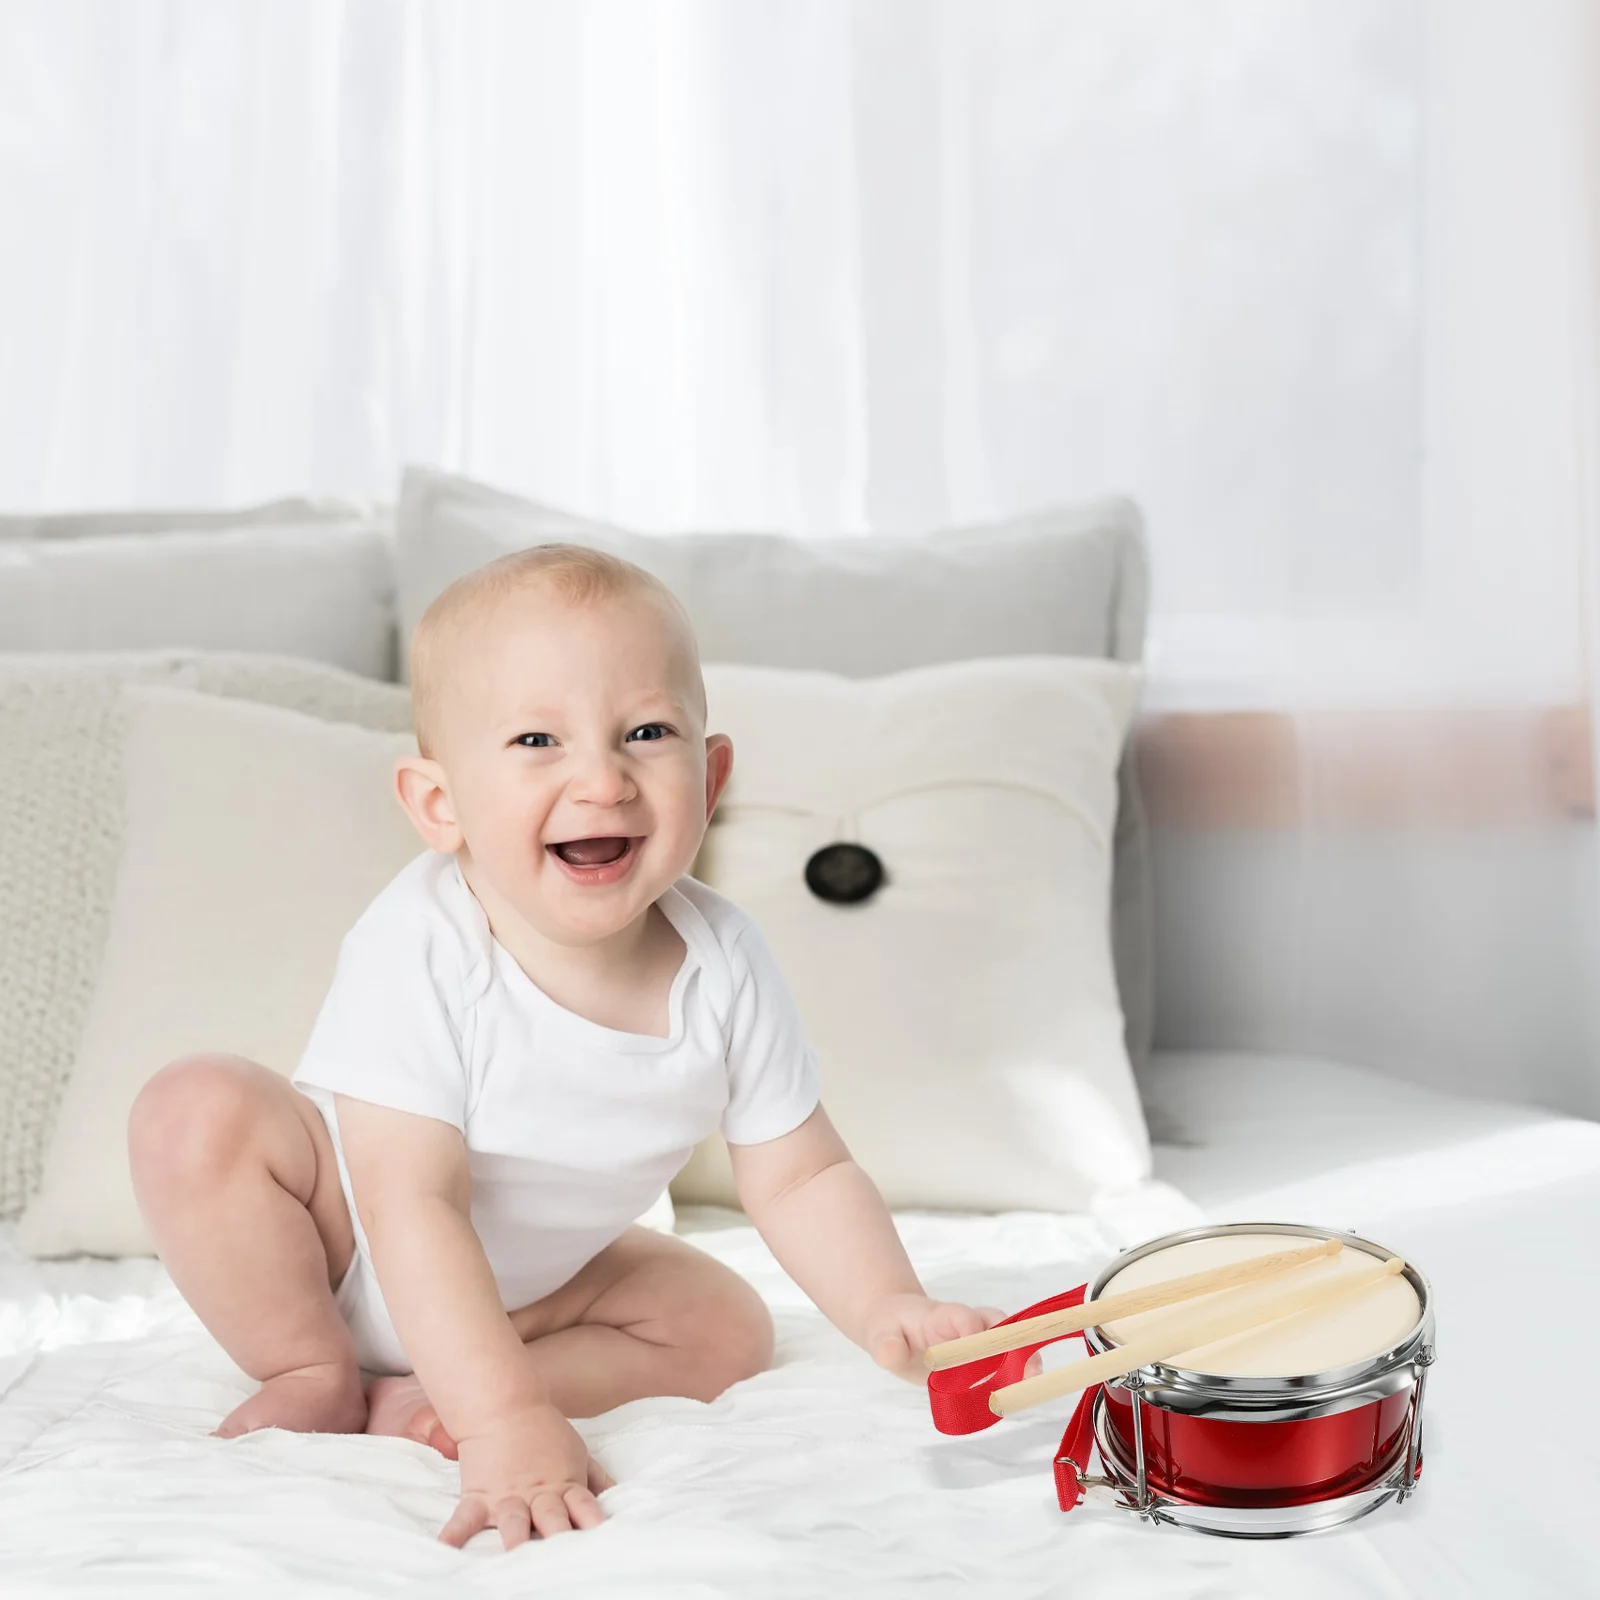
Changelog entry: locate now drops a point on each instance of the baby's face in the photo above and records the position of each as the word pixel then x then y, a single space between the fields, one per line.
pixel 574 747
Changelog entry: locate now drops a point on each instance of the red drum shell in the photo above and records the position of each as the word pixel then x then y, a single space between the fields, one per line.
pixel 1216 1462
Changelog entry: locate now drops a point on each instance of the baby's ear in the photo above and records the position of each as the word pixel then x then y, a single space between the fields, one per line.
pixel 719 768
pixel 419 786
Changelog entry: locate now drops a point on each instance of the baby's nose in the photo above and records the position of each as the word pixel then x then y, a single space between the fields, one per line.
pixel 601 781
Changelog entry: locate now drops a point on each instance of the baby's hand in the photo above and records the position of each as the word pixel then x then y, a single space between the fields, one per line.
pixel 901 1326
pixel 531 1473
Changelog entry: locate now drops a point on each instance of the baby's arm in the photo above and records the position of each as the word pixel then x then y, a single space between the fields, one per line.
pixel 825 1222
pixel 522 1462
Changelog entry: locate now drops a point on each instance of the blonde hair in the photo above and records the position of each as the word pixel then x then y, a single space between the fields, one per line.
pixel 576 573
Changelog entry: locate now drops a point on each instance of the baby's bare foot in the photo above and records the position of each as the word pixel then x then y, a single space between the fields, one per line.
pixel 322 1399
pixel 398 1408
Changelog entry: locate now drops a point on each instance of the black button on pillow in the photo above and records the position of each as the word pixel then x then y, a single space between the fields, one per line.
pixel 844 873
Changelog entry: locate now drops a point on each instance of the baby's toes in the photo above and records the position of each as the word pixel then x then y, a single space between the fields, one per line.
pixel 398 1407
pixel 429 1429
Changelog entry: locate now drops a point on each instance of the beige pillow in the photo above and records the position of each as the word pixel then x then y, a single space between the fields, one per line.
pixel 966 1012
pixel 61 794
pixel 255 838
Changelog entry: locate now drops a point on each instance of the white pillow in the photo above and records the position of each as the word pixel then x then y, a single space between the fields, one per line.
pixel 301 578
pixel 966 1014
pixel 255 838
pixel 1069 580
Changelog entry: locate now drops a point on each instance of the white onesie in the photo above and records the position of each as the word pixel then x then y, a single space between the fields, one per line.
pixel 573 1130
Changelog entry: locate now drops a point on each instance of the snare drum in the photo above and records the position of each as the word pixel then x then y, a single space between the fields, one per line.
pixel 1301 1424
pixel 1297 1426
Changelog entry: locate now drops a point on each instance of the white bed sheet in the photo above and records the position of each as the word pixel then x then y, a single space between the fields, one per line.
pixel 824 1476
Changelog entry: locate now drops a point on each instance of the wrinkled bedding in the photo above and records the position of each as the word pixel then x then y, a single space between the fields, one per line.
pixel 824 1476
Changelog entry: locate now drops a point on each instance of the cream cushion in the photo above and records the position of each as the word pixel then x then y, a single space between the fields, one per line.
pixel 61 794
pixel 966 1014
pixel 255 837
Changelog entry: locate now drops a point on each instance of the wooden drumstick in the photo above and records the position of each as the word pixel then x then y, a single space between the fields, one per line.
pixel 975 1346
pixel 1191 1330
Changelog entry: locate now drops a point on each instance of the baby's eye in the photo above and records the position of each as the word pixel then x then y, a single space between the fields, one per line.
pixel 651 730
pixel 534 741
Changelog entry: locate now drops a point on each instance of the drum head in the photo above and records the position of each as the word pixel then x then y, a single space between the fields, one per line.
pixel 1356 1330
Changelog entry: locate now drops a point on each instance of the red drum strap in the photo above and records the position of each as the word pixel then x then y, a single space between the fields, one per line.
pixel 959 1396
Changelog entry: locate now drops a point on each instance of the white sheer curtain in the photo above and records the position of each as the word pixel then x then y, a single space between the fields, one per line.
pixel 808 264
pixel 1314 280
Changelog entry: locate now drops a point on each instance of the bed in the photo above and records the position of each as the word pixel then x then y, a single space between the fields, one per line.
pixel 824 1475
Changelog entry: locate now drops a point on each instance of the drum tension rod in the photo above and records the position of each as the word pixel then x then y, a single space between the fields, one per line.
pixel 1422 1360
pixel 1134 1384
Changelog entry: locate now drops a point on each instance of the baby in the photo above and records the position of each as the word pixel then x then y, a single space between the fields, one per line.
pixel 430 1231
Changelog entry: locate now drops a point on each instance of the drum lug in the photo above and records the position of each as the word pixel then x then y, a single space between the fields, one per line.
pixel 1423 1360
pixel 1095 1485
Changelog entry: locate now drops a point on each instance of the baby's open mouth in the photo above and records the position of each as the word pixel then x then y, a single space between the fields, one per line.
pixel 597 852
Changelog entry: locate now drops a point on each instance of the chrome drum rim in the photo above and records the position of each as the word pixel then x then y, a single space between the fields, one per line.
pixel 1275 1399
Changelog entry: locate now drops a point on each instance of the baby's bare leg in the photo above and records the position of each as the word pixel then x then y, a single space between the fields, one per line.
pixel 236 1176
pixel 650 1315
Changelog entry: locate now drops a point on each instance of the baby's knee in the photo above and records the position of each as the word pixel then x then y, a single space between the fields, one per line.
pixel 191 1120
pixel 735 1335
